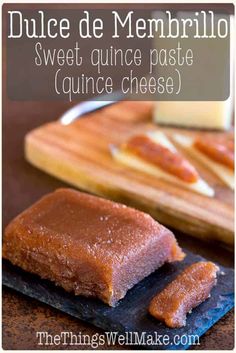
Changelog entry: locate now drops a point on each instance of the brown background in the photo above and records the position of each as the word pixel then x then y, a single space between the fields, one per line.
pixel 22 185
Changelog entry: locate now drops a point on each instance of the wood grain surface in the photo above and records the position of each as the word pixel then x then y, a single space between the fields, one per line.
pixel 80 155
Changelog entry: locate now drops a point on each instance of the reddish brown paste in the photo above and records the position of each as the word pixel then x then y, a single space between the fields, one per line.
pixel 88 245
pixel 188 290
pixel 220 149
pixel 169 161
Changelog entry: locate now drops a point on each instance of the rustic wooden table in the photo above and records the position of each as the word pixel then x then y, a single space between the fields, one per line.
pixel 24 184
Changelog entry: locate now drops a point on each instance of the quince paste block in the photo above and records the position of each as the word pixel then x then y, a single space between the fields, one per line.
pixel 88 245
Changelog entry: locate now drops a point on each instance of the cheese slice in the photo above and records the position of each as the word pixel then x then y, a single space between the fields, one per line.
pixel 224 173
pixel 131 160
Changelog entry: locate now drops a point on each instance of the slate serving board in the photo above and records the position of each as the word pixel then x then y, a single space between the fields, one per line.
pixel 131 314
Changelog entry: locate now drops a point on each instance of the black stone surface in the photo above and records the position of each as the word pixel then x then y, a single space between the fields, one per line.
pixel 131 315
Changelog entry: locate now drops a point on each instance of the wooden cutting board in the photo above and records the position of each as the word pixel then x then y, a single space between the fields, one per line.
pixel 79 154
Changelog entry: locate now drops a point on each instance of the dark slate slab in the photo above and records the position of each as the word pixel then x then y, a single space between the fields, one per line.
pixel 131 313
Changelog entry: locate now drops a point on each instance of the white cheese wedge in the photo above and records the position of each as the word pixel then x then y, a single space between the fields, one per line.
pixel 204 115
pixel 160 138
pixel 132 161
pixel 224 173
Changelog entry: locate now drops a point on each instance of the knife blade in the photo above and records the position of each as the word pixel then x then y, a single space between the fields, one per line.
pixel 80 110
